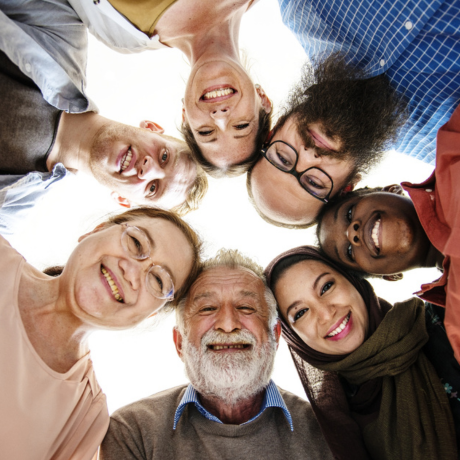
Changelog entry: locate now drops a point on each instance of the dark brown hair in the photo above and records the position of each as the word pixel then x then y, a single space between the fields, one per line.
pixel 232 170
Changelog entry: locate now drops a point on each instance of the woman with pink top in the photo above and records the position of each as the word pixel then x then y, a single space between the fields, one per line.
pixel 125 270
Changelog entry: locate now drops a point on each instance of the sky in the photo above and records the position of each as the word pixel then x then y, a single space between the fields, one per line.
pixel 150 85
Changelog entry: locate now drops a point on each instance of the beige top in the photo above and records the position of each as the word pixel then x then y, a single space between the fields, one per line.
pixel 44 415
pixel 144 14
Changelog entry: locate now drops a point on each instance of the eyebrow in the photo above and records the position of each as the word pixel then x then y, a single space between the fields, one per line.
pixel 210 140
pixel 203 295
pixel 315 284
pixel 251 294
pixel 152 247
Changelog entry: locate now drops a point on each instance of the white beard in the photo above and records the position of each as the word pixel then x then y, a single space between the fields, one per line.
pixel 233 376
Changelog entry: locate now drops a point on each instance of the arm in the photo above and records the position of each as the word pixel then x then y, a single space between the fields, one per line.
pixel 123 441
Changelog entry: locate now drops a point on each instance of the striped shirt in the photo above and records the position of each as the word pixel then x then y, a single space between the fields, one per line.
pixel 272 398
pixel 417 43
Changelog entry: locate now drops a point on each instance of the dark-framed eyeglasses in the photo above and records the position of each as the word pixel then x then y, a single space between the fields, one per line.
pixel 313 180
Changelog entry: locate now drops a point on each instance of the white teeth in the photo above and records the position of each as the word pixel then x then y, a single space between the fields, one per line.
pixel 218 93
pixel 375 234
pixel 341 327
pixel 126 160
pixel 112 285
pixel 222 347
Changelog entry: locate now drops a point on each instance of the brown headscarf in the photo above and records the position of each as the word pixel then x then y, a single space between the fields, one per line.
pixel 345 421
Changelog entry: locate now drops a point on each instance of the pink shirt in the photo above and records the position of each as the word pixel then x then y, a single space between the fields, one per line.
pixel 44 415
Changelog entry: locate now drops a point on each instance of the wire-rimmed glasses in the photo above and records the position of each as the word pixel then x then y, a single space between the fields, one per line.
pixel 136 243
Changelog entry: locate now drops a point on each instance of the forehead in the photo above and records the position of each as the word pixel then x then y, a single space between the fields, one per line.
pixel 170 249
pixel 227 284
pixel 226 150
pixel 280 197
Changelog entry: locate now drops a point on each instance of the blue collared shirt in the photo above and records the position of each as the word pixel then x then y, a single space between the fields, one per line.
pixel 416 42
pixel 272 398
pixel 19 195
pixel 49 43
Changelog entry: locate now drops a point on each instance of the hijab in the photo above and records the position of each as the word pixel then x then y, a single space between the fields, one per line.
pixel 354 396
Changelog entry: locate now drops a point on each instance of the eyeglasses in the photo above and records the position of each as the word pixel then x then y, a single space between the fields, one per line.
pixel 313 180
pixel 136 243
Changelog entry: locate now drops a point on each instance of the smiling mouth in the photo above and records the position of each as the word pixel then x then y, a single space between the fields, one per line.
pixel 375 234
pixel 340 327
pixel 112 285
pixel 126 160
pixel 233 346
pixel 218 93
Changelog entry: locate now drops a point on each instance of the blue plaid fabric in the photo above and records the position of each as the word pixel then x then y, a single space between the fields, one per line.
pixel 272 398
pixel 416 42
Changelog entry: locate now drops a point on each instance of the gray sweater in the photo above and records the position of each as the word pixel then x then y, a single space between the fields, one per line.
pixel 144 430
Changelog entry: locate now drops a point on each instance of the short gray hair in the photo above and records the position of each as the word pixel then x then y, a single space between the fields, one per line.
pixel 233 259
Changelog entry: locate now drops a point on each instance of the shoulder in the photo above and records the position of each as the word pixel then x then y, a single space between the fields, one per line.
pixel 158 406
pixel 301 411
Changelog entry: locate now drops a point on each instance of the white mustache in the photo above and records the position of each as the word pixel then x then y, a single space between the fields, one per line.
pixel 243 336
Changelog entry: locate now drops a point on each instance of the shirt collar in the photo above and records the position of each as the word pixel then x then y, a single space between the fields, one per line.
pixel 272 398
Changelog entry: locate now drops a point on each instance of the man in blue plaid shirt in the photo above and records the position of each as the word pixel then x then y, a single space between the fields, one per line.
pixel 414 43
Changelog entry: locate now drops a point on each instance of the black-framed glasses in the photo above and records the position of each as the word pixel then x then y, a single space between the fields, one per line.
pixel 158 281
pixel 313 180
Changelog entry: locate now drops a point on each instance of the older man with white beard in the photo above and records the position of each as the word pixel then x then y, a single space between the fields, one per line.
pixel 227 334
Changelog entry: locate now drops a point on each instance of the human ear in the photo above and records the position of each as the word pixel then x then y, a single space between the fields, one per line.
pixel 177 337
pixel 96 229
pixel 121 200
pixel 184 118
pixel 266 103
pixel 394 277
pixel 350 187
pixel 394 188
pixel 152 126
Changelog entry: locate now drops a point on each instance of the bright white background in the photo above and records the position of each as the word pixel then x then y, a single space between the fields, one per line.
pixel 129 88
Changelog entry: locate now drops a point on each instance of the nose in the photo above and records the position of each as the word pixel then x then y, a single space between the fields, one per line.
pixel 227 319
pixel 354 233
pixel 326 313
pixel 220 116
pixel 308 157
pixel 133 270
pixel 148 168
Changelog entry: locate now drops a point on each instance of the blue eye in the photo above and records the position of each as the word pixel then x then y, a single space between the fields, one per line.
pixel 349 213
pixel 350 254
pixel 299 314
pixel 326 287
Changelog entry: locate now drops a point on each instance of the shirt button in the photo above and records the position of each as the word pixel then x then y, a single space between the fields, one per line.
pixel 382 62
pixel 408 25
pixel 428 190
pixel 28 67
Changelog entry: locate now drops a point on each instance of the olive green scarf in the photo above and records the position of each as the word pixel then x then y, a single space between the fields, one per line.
pixel 411 390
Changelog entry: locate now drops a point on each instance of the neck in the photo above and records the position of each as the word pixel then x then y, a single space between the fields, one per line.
pixel 434 258
pixel 217 40
pixel 59 338
pixel 235 414
pixel 74 139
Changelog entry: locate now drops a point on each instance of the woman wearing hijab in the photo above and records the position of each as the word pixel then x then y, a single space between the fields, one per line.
pixel 51 405
pixel 360 359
